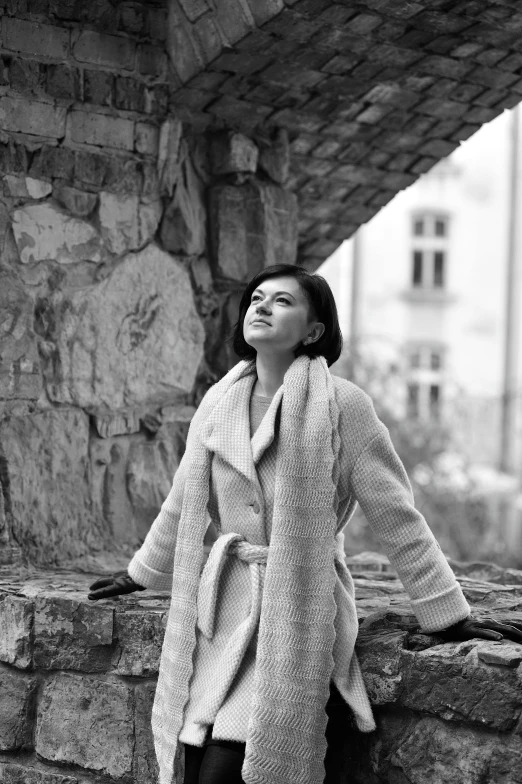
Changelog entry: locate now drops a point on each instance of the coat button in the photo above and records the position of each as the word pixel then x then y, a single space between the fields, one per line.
pixel 256 508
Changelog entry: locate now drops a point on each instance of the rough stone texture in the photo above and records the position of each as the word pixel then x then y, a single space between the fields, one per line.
pixel 100 738
pixel 16 625
pixel 22 774
pixel 17 692
pixel 43 232
pixel 72 635
pixel 183 228
pixel 117 424
pixel 150 469
pixel 133 338
pixel 252 226
pixel 446 713
pixel 125 223
pixel 140 637
pixel 145 767
pixel 233 152
pixel 46 467
pixel 109 457
pixel 27 187
pixel 76 201
pixel 20 376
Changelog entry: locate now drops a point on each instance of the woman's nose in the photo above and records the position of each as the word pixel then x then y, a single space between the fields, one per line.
pixel 262 306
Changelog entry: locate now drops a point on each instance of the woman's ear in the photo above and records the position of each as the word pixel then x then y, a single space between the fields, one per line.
pixel 314 333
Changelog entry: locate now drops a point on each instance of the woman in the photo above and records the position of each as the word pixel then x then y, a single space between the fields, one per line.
pixel 259 645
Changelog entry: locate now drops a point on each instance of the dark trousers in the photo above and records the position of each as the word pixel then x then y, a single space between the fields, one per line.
pixel 220 761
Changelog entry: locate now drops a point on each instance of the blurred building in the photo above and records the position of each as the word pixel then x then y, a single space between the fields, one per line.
pixel 432 290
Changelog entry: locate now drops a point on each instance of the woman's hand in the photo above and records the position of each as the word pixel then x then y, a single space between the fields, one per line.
pixel 486 629
pixel 114 585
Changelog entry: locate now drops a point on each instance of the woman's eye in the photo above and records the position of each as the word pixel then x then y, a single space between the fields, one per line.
pixel 254 297
pixel 283 299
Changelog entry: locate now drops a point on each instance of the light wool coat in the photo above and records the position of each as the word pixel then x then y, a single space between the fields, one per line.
pixel 369 472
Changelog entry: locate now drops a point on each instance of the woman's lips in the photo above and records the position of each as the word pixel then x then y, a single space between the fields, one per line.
pixel 260 321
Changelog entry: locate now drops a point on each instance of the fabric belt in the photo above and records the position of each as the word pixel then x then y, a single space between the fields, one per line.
pixel 253 554
pixel 256 556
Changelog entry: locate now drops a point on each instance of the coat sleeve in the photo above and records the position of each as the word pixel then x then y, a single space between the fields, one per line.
pixel 152 564
pixel 380 484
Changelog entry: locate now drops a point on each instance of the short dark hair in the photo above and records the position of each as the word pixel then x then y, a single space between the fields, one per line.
pixel 322 303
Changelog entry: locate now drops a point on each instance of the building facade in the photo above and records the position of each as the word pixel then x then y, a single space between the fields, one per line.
pixel 432 290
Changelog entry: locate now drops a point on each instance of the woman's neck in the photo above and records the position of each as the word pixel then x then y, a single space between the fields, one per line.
pixel 270 373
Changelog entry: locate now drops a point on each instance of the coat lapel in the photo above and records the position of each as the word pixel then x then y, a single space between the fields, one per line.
pixel 227 430
pixel 264 434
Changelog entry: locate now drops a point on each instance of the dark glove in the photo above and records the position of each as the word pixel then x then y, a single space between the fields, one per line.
pixel 486 629
pixel 113 585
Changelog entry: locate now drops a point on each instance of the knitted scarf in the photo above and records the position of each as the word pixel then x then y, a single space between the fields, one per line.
pixel 286 736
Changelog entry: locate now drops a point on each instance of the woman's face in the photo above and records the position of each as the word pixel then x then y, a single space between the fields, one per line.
pixel 279 318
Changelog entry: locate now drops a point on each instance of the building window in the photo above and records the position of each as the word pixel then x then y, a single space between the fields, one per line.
pixel 424 380
pixel 434 401
pixel 429 268
pixel 441 227
pixel 418 227
pixel 430 224
pixel 436 360
pixel 415 360
pixel 413 401
pixel 418 262
pixel 438 269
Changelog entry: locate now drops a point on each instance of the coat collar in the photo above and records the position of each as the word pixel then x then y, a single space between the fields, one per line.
pixel 227 429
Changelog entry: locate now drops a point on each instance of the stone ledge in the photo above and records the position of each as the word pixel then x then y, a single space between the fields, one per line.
pixel 100 660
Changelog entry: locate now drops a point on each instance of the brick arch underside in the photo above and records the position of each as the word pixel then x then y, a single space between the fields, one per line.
pixel 373 94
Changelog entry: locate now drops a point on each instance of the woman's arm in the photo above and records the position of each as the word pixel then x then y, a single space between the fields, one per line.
pixel 379 483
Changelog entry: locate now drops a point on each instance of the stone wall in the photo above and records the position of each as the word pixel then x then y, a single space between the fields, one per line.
pixel 125 240
pixel 77 681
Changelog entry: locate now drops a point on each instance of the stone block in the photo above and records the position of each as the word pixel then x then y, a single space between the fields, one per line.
pixel 451 682
pixel 16 623
pixel 33 117
pixel 70 634
pixel 27 187
pixel 181 48
pixel 104 50
pixel 274 156
pixel 98 87
pixel 264 10
pixel 233 152
pixel 52 162
pixel 125 224
pixel 34 39
pixel 101 736
pixel 16 709
pixel 430 750
pixel 129 94
pixel 45 233
pixel 119 423
pixel 147 138
pixel 12 773
pixel 140 637
pixel 183 228
pixel 63 82
pixel 252 226
pixel 379 655
pixel 47 470
pixel 145 766
pixel 150 468
pixel 20 376
pixel 100 129
pixel 131 339
pixel 152 60
pixel 76 201
pixel 109 486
